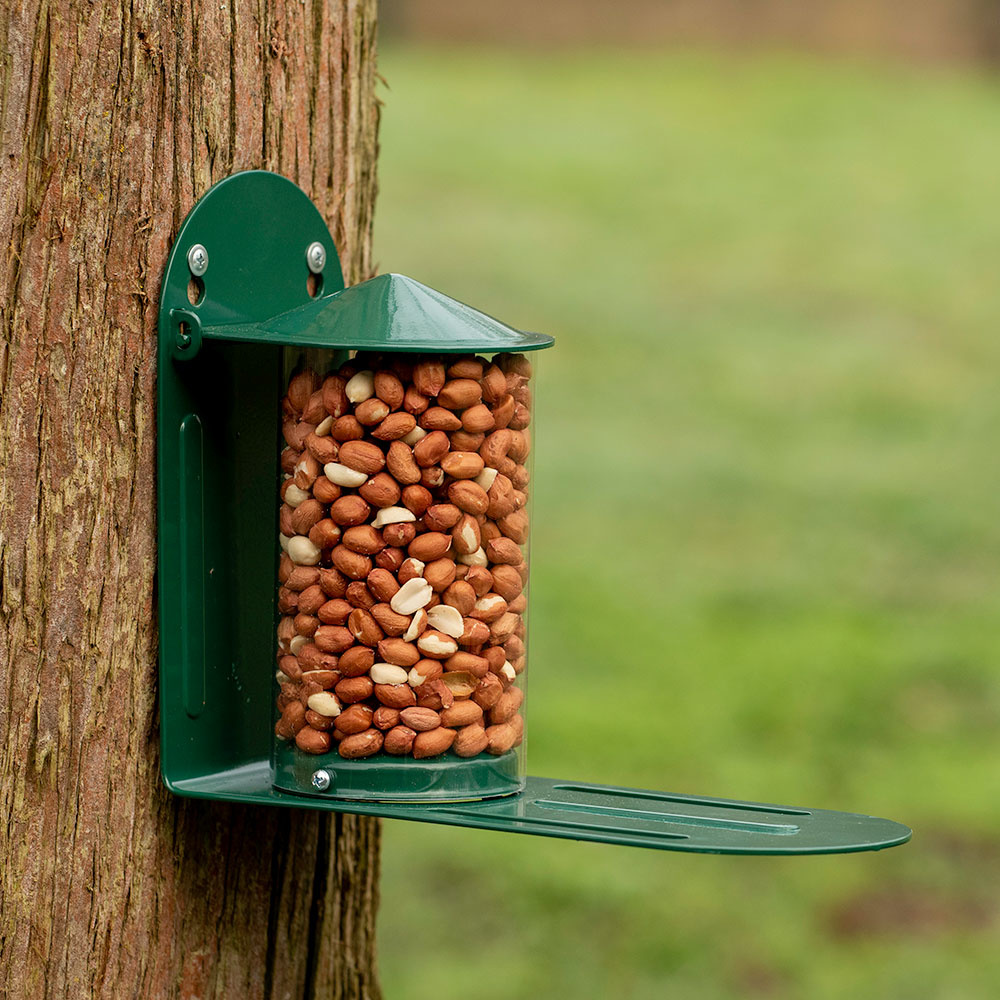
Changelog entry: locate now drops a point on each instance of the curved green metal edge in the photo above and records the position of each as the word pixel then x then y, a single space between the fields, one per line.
pixel 392 312
pixel 605 814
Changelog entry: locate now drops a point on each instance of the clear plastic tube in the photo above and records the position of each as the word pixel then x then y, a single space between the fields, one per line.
pixel 402 597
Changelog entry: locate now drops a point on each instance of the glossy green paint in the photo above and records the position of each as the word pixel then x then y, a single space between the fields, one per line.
pixel 221 367
pixel 601 813
pixel 393 312
pixel 446 778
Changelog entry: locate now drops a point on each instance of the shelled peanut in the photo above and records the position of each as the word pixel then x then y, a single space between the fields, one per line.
pixel 403 573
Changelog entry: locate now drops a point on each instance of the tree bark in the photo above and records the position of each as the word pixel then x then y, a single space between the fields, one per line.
pixel 115 116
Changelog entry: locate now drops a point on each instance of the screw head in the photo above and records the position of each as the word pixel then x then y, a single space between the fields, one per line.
pixel 316 257
pixel 321 780
pixel 197 258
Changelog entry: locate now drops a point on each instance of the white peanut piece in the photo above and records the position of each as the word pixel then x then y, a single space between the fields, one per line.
pixel 418 623
pixel 486 478
pixel 341 475
pixel 302 551
pixel 361 387
pixel 393 515
pixel 387 673
pixel 294 496
pixel 412 596
pixel 477 558
pixel 388 597
pixel 446 619
pixel 324 703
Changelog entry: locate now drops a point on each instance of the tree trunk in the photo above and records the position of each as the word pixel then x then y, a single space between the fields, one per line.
pixel 115 115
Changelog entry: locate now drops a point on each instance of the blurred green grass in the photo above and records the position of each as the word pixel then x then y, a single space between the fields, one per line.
pixel 765 539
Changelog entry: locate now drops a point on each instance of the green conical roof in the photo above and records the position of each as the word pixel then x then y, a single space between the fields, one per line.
pixel 396 313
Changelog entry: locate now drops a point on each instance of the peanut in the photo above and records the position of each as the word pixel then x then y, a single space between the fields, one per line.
pixel 399 740
pixel 361 744
pixel 433 742
pixel 420 719
pixel 311 740
pixel 470 741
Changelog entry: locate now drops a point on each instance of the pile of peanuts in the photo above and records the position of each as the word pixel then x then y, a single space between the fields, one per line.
pixel 402 574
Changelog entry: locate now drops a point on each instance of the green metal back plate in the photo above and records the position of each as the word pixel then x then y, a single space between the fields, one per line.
pixel 217 459
pixel 218 446
pixel 256 228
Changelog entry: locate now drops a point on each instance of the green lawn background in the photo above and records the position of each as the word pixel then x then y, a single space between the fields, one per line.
pixel 766 544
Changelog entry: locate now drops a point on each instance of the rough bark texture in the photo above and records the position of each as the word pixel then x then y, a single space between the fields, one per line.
pixel 115 115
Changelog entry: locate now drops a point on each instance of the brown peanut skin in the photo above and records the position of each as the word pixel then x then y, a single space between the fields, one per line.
pixel 381 490
pixel 478 666
pixel 429 377
pixel 333 638
pixel 363 539
pixel 363 456
pixel 348 510
pixel 361 744
pixel 472 416
pixel 356 661
pixel 462 713
pixel 354 689
pixel 399 740
pixel 293 718
pixel 506 706
pixel 460 595
pixel 501 738
pixel 312 741
pixel 396 696
pixel 433 742
pixel 352 564
pixel 371 412
pixel 385 718
pixel 324 723
pixel 466 367
pixel 334 611
pixel 326 679
pixel 389 388
pixel 398 652
pixel 359 596
pixel 353 719
pixel 470 741
pixel 394 625
pixel 460 393
pixel 420 719
pixel 417 499
pixel 487 692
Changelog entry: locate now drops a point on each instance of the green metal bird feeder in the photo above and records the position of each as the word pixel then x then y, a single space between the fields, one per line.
pixel 344 484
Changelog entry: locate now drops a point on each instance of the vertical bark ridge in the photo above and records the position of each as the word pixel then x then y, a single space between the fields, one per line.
pixel 114 117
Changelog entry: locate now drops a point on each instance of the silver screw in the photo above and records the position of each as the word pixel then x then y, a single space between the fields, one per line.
pixel 316 257
pixel 321 780
pixel 198 260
